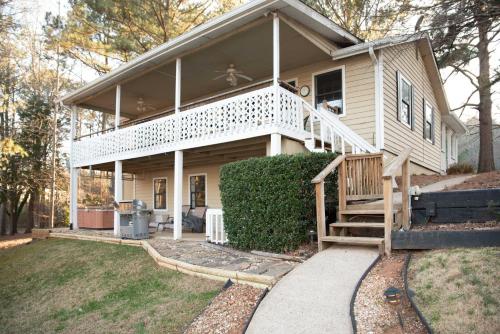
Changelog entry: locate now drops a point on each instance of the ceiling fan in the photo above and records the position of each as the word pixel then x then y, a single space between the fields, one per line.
pixel 143 106
pixel 232 74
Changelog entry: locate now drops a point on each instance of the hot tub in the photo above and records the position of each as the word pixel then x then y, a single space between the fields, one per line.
pixel 95 218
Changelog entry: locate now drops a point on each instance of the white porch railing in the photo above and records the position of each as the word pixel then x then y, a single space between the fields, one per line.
pixel 244 116
pixel 215 226
pixel 332 130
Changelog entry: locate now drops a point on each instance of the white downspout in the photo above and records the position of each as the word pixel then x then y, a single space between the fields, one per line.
pixel 378 67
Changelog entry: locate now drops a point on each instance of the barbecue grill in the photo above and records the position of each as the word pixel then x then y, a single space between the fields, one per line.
pixel 134 219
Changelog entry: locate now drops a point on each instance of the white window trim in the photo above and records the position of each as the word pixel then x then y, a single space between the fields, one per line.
pixel 313 93
pixel 206 187
pixel 400 99
pixel 427 104
pixel 166 193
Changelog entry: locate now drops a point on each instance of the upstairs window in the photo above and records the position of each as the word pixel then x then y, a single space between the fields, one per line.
pixel 428 122
pixel 405 101
pixel 329 89
pixel 160 193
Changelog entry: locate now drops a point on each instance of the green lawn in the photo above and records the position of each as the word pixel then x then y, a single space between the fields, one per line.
pixel 71 286
pixel 458 290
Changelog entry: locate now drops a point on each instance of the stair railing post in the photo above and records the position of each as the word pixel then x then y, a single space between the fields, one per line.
pixel 388 209
pixel 405 194
pixel 320 212
pixel 342 186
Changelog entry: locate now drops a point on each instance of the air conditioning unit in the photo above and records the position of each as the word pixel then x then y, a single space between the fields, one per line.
pixel 215 231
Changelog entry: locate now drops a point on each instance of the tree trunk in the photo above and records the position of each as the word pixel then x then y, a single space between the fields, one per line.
pixel 486 159
pixel 31 211
pixel 3 220
pixel 13 219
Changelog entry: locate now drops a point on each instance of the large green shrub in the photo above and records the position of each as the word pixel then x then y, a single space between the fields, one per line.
pixel 269 203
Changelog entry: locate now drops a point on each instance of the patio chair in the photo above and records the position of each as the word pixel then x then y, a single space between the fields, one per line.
pixel 195 219
pixel 160 220
pixel 185 210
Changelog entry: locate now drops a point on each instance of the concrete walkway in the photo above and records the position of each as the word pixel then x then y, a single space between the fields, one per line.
pixel 316 295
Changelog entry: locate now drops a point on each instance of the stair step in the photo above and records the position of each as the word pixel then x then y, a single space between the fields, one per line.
pixel 358 224
pixel 353 240
pixel 364 212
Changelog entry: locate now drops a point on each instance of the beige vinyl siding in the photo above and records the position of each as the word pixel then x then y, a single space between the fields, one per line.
pixel 397 136
pixel 359 90
pixel 128 190
pixel 144 186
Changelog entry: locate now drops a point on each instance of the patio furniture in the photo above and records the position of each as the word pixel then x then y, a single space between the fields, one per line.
pixel 162 220
pixel 195 219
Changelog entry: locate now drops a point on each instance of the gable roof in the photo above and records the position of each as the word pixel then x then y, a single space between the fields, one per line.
pixel 214 28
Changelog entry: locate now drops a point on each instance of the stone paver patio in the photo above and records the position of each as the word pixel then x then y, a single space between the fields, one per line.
pixel 194 250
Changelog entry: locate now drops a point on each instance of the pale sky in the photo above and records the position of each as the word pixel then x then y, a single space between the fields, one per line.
pixel 457 87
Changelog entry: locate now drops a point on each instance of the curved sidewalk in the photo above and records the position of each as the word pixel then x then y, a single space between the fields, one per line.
pixel 314 297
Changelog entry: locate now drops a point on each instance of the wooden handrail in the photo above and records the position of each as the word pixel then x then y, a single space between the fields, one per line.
pixel 328 169
pixel 391 170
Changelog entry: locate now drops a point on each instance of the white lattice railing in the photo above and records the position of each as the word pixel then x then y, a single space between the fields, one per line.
pixel 244 116
pixel 215 231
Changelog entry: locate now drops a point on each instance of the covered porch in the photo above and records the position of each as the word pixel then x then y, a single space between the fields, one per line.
pixel 152 180
pixel 173 110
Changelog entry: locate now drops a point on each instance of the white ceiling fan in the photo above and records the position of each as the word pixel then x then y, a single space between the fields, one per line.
pixel 143 106
pixel 232 74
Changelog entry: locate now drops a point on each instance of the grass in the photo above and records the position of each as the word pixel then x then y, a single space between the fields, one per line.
pixel 70 286
pixel 457 290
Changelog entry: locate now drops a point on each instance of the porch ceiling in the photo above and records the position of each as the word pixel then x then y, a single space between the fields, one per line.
pixel 250 50
pixel 207 155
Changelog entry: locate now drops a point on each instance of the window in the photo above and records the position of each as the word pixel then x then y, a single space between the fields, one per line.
pixel 405 101
pixel 197 190
pixel 428 122
pixel 329 88
pixel 160 193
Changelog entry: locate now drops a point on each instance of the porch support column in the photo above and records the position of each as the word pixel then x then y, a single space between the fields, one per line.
pixel 118 164
pixel 118 195
pixel 178 176
pixel 73 185
pixel 179 158
pixel 275 144
pixel 276 49
pixel 276 137
pixel 178 67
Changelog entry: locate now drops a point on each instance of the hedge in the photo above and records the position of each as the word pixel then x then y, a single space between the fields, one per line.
pixel 269 202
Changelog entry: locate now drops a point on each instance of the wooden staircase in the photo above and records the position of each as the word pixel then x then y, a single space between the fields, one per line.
pixel 362 179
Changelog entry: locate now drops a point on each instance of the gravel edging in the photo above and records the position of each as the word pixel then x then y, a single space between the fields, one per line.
pixel 410 297
pixel 355 293
pixel 264 293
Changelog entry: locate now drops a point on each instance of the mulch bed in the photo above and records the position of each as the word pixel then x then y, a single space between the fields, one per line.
pixel 228 312
pixel 424 180
pixel 480 181
pixel 491 225
pixel 373 314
